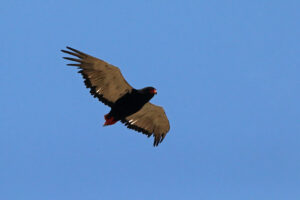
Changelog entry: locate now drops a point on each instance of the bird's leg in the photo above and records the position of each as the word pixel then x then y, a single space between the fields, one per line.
pixel 109 120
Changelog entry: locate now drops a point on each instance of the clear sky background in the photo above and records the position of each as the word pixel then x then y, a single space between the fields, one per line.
pixel 227 74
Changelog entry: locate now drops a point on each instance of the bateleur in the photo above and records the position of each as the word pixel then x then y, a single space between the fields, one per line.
pixel 128 105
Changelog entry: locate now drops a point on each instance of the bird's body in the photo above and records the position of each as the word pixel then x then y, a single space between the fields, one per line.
pixel 129 105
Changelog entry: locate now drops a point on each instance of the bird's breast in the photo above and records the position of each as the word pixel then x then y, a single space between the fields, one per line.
pixel 128 104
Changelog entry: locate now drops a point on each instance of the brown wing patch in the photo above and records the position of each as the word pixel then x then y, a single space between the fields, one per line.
pixel 150 120
pixel 105 81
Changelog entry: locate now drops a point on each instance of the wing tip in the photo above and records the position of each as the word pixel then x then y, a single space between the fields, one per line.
pixel 67 47
pixel 158 140
pixel 159 136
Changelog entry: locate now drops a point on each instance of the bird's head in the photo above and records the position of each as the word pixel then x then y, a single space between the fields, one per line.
pixel 151 91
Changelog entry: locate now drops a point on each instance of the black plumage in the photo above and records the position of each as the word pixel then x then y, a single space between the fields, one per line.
pixel 128 105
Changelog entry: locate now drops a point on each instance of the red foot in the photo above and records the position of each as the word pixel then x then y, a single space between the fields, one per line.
pixel 109 120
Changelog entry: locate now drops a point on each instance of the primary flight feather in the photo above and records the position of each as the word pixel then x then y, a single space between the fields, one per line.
pixel 128 105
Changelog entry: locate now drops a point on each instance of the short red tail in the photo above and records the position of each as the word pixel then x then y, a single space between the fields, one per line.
pixel 109 120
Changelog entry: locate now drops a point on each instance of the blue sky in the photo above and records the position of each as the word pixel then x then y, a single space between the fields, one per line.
pixel 227 74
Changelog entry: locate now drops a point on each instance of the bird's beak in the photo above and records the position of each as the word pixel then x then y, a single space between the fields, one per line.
pixel 155 91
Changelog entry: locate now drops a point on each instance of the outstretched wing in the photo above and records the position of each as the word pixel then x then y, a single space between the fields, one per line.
pixel 104 80
pixel 150 119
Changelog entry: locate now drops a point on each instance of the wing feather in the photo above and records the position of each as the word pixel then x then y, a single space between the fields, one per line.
pixel 104 80
pixel 150 120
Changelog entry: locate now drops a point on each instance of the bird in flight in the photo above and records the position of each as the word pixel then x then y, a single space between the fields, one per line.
pixel 128 105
